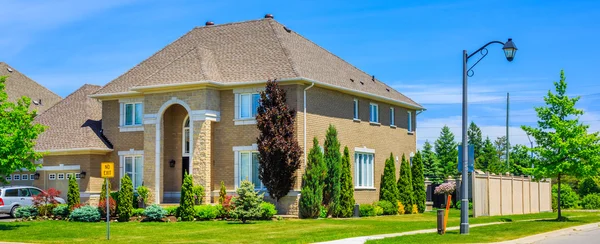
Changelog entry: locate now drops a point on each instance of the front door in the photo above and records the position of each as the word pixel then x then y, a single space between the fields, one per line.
pixel 185 166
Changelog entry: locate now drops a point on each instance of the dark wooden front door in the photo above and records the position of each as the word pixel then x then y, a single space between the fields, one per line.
pixel 185 166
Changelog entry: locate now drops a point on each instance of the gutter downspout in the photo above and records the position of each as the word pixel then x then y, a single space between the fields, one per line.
pixel 305 89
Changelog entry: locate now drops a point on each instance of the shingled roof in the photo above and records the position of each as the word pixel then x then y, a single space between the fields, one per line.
pixel 19 85
pixel 249 51
pixel 73 123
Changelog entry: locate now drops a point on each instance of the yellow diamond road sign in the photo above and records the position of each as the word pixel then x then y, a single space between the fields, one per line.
pixel 107 169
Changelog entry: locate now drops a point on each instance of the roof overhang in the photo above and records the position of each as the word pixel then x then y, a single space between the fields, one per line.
pixel 77 151
pixel 140 90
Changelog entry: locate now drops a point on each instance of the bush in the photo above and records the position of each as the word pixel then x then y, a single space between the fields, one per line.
pixel 388 207
pixel 458 204
pixel 247 204
pixel 267 210
pixel 378 210
pixel 85 214
pixel 137 212
pixel 589 185
pixel 311 195
pixel 143 194
pixel 155 213
pixel 171 210
pixel 112 205
pixel 591 201
pixel 198 192
pixel 322 212
pixel 401 209
pixel 367 210
pixel 222 193
pixel 225 206
pixel 415 209
pixel 46 197
pixel 26 212
pixel 61 210
pixel 568 197
pixel 114 195
pixel 46 209
pixel 186 212
pixel 207 212
pixel 73 193
pixel 125 201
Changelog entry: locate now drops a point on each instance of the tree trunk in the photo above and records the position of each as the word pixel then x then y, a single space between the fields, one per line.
pixel 558 200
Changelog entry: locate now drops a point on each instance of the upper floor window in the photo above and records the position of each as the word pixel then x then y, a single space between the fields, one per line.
pixel 133 114
pixel 409 126
pixel 186 137
pixel 374 113
pixel 392 116
pixel 355 108
pixel 248 104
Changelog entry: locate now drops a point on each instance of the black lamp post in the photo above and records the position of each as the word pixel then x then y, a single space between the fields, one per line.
pixel 510 50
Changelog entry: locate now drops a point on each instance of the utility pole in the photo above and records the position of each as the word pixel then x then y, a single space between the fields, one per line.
pixel 531 147
pixel 507 126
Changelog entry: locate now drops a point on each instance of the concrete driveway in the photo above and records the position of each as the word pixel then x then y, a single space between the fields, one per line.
pixel 6 218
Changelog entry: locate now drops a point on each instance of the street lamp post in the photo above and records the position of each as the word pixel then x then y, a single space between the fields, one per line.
pixel 509 51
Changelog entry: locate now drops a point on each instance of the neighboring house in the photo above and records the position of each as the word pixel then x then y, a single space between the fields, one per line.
pixel 191 107
pixel 73 145
pixel 19 85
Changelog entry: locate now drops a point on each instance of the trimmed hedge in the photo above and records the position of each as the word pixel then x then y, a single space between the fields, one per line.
pixel 388 207
pixel 206 212
pixel 61 210
pixel 267 211
pixel 85 214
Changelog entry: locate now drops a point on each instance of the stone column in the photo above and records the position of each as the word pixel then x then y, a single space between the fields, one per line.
pixel 150 162
pixel 202 158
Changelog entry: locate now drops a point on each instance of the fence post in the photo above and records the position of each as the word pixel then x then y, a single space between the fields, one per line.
pixel 501 212
pixel 474 193
pixel 512 194
pixel 487 193
pixel 539 196
pixel 522 194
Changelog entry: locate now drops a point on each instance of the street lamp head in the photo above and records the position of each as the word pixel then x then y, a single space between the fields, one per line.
pixel 509 50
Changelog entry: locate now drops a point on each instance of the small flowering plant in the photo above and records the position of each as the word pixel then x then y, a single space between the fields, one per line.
pixel 446 188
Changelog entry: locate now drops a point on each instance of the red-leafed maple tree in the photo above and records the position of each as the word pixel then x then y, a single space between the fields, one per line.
pixel 279 152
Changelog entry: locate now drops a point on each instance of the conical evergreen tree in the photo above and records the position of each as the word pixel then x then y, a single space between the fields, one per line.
pixel 388 188
pixel 125 204
pixel 405 188
pixel 185 211
pixel 447 152
pixel 333 160
pixel 346 202
pixel 492 162
pixel 418 182
pixel 432 168
pixel 103 191
pixel 311 196
pixel 73 194
pixel 475 139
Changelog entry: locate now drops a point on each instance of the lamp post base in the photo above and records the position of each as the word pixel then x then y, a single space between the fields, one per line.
pixel 464 228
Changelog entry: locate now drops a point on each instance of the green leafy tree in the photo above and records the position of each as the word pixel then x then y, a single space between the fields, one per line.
pixel 388 188
pixel 491 162
pixel 125 199
pixel 246 205
pixel 279 152
pixel 519 159
pixel 104 189
pixel 185 211
pixel 564 146
pixel 346 202
pixel 500 144
pixel 313 179
pixel 475 139
pixel 405 187
pixel 17 134
pixel 222 193
pixel 418 182
pixel 447 152
pixel 333 160
pixel 589 185
pixel 73 193
pixel 432 168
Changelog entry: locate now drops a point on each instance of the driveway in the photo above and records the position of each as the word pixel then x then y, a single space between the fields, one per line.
pixel 6 218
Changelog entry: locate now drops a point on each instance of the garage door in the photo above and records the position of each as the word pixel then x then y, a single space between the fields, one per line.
pixel 59 180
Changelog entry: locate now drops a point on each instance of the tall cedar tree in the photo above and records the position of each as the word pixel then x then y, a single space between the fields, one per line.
pixel 279 152
pixel 73 193
pixel 475 139
pixel 564 146
pixel 405 188
pixel 125 204
pixel 333 160
pixel 17 134
pixel 432 168
pixel 500 145
pixel 186 211
pixel 447 152
pixel 103 191
pixel 222 193
pixel 311 195
pixel 418 182
pixel 346 203
pixel 389 189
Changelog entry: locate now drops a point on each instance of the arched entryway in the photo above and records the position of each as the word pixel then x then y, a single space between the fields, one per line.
pixel 176 149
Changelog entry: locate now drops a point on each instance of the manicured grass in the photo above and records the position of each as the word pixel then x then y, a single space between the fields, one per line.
pixel 495 233
pixel 288 231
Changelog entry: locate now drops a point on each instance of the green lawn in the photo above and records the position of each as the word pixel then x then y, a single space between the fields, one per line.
pixel 288 231
pixel 496 233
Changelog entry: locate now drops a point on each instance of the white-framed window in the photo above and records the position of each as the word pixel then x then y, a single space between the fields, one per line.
pixel 52 176
pixel 248 168
pixel 392 116
pixel 69 175
pixel 9 177
pixel 248 105
pixel 31 177
pixel 356 108
pixel 133 114
pixel 409 126
pixel 186 137
pixel 133 166
pixel 363 169
pixel 77 176
pixel 374 116
pixel 17 177
pixel 61 176
pixel 24 177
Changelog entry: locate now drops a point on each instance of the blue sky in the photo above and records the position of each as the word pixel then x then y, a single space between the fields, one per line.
pixel 413 46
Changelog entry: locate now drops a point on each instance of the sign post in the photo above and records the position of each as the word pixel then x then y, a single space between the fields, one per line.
pixel 107 171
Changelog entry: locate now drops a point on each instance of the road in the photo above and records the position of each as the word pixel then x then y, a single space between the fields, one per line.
pixel 578 237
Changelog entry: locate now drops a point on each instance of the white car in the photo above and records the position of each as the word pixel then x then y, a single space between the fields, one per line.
pixel 12 197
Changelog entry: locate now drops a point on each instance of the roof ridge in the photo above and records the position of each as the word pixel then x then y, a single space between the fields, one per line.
pixel 283 48
pixel 167 65
pixel 230 23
